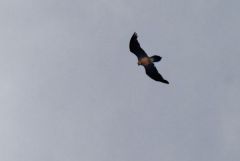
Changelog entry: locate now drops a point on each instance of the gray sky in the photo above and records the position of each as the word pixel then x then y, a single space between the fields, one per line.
pixel 70 90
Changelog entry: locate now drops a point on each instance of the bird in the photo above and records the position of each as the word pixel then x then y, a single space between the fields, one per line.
pixel 146 61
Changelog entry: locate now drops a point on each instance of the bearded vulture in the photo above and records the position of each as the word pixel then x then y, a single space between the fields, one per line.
pixel 145 60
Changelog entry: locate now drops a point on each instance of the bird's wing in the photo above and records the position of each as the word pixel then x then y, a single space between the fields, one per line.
pixel 136 48
pixel 152 72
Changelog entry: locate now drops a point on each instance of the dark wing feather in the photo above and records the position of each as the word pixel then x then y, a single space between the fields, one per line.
pixel 152 72
pixel 136 48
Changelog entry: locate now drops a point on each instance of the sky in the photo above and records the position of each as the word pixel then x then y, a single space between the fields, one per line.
pixel 70 90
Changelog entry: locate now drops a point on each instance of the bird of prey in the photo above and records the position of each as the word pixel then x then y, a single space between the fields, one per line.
pixel 145 60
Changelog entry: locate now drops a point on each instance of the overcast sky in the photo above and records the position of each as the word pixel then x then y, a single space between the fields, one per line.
pixel 70 90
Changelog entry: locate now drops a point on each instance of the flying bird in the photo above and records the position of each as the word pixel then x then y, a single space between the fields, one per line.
pixel 145 60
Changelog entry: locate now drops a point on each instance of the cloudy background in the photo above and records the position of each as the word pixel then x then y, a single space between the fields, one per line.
pixel 70 90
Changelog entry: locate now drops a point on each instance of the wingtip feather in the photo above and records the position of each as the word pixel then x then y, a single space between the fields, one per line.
pixel 165 81
pixel 135 35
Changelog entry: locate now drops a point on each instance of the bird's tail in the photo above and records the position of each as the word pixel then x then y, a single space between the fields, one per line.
pixel 155 58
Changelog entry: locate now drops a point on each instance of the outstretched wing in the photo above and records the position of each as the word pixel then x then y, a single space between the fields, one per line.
pixel 152 72
pixel 136 48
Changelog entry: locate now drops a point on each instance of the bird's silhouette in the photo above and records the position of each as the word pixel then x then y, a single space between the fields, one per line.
pixel 145 60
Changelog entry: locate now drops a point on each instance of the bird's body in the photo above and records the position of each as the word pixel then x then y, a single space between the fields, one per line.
pixel 145 60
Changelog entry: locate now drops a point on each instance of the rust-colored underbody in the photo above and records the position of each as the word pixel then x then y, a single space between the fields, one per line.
pixel 144 61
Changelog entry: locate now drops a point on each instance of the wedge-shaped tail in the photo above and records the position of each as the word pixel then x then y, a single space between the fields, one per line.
pixel 155 58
